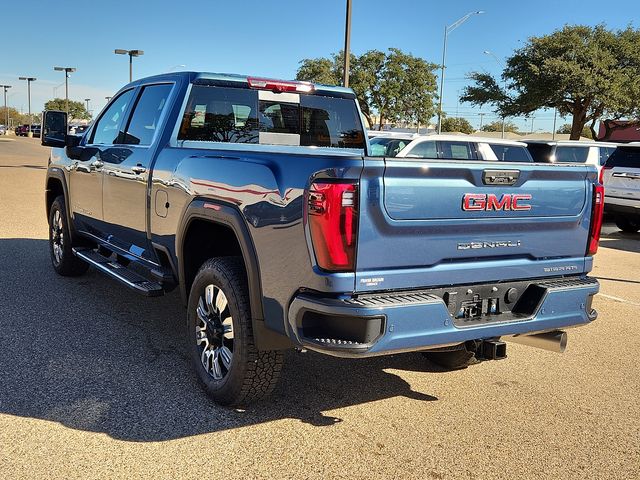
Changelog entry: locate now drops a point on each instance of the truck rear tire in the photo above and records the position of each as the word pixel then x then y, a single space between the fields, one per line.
pixel 64 262
pixel 627 225
pixel 220 336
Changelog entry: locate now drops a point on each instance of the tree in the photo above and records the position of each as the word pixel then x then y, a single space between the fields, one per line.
pixel 566 129
pixel 588 72
pixel 15 117
pixel 497 127
pixel 452 124
pixel 395 85
pixel 77 110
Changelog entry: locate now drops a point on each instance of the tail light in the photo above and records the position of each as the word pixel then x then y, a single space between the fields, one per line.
pixel 280 85
pixel 601 176
pixel 333 223
pixel 597 211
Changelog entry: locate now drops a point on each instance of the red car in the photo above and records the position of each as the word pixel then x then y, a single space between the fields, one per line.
pixel 21 130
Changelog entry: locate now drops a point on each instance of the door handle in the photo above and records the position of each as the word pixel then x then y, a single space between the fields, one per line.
pixel 97 164
pixel 138 169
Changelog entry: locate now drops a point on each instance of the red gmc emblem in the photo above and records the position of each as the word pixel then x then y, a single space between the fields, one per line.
pixel 477 202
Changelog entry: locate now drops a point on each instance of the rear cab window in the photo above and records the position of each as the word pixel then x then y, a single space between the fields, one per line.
pixel 244 115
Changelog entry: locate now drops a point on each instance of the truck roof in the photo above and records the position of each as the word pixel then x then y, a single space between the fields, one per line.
pixel 193 76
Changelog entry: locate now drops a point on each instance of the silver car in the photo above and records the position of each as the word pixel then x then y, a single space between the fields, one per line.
pixel 621 178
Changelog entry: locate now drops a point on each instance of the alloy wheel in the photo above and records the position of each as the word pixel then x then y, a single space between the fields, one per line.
pixel 57 237
pixel 214 332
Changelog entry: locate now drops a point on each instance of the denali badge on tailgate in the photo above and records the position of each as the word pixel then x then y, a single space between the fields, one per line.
pixel 486 202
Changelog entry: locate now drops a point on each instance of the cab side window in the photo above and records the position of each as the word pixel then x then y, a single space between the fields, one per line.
pixel 571 154
pixel 424 150
pixel 146 115
pixel 605 153
pixel 457 151
pixel 107 130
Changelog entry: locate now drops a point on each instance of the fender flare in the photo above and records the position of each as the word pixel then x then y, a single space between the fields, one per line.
pixel 229 216
pixel 56 173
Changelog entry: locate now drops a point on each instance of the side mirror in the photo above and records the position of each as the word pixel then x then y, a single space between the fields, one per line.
pixel 54 129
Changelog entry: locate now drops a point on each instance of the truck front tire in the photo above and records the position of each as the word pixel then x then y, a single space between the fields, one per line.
pixel 60 248
pixel 220 336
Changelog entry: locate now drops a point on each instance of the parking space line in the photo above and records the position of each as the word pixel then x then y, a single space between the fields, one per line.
pixel 618 299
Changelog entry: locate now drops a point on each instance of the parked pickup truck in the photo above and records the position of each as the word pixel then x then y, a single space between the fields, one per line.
pixel 257 200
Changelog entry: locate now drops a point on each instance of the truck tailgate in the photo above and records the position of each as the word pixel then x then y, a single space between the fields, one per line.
pixel 431 223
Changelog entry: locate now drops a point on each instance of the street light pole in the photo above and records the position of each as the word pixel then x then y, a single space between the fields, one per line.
pixel 67 71
pixel 131 53
pixel 6 109
pixel 87 100
pixel 504 83
pixel 447 30
pixel 29 80
pixel 347 44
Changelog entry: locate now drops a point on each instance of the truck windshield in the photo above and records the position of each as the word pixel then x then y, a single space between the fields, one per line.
pixel 242 115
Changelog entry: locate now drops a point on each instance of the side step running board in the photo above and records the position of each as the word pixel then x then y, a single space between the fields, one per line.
pixel 121 273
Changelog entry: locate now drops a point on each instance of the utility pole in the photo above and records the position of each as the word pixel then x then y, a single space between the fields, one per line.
pixel 6 110
pixel 447 30
pixel 532 119
pixel 347 44
pixel 67 71
pixel 555 117
pixel 481 118
pixel 29 80
pixel 87 100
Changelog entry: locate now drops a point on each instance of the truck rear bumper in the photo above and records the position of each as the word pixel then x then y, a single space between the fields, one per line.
pixel 394 322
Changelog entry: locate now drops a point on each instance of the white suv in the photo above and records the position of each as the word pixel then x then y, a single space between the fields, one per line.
pixel 571 151
pixel 621 178
pixel 465 147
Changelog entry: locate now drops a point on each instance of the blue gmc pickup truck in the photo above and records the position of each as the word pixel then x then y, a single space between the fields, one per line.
pixel 257 200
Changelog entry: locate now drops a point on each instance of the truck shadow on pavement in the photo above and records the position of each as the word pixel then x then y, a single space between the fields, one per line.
pixel 627 242
pixel 92 355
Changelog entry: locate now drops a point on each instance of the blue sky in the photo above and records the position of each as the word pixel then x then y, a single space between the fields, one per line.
pixel 267 38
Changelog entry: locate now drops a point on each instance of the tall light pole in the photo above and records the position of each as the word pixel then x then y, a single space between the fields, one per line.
pixel 107 99
pixel 131 53
pixel 347 44
pixel 6 110
pixel 447 30
pixel 87 100
pixel 29 80
pixel 504 82
pixel 67 71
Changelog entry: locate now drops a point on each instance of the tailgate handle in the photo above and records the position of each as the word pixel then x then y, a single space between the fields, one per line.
pixel 500 177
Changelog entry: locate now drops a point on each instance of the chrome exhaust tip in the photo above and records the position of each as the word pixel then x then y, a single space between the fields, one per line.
pixel 555 341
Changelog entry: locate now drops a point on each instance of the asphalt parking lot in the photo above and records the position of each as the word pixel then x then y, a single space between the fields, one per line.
pixel 94 383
